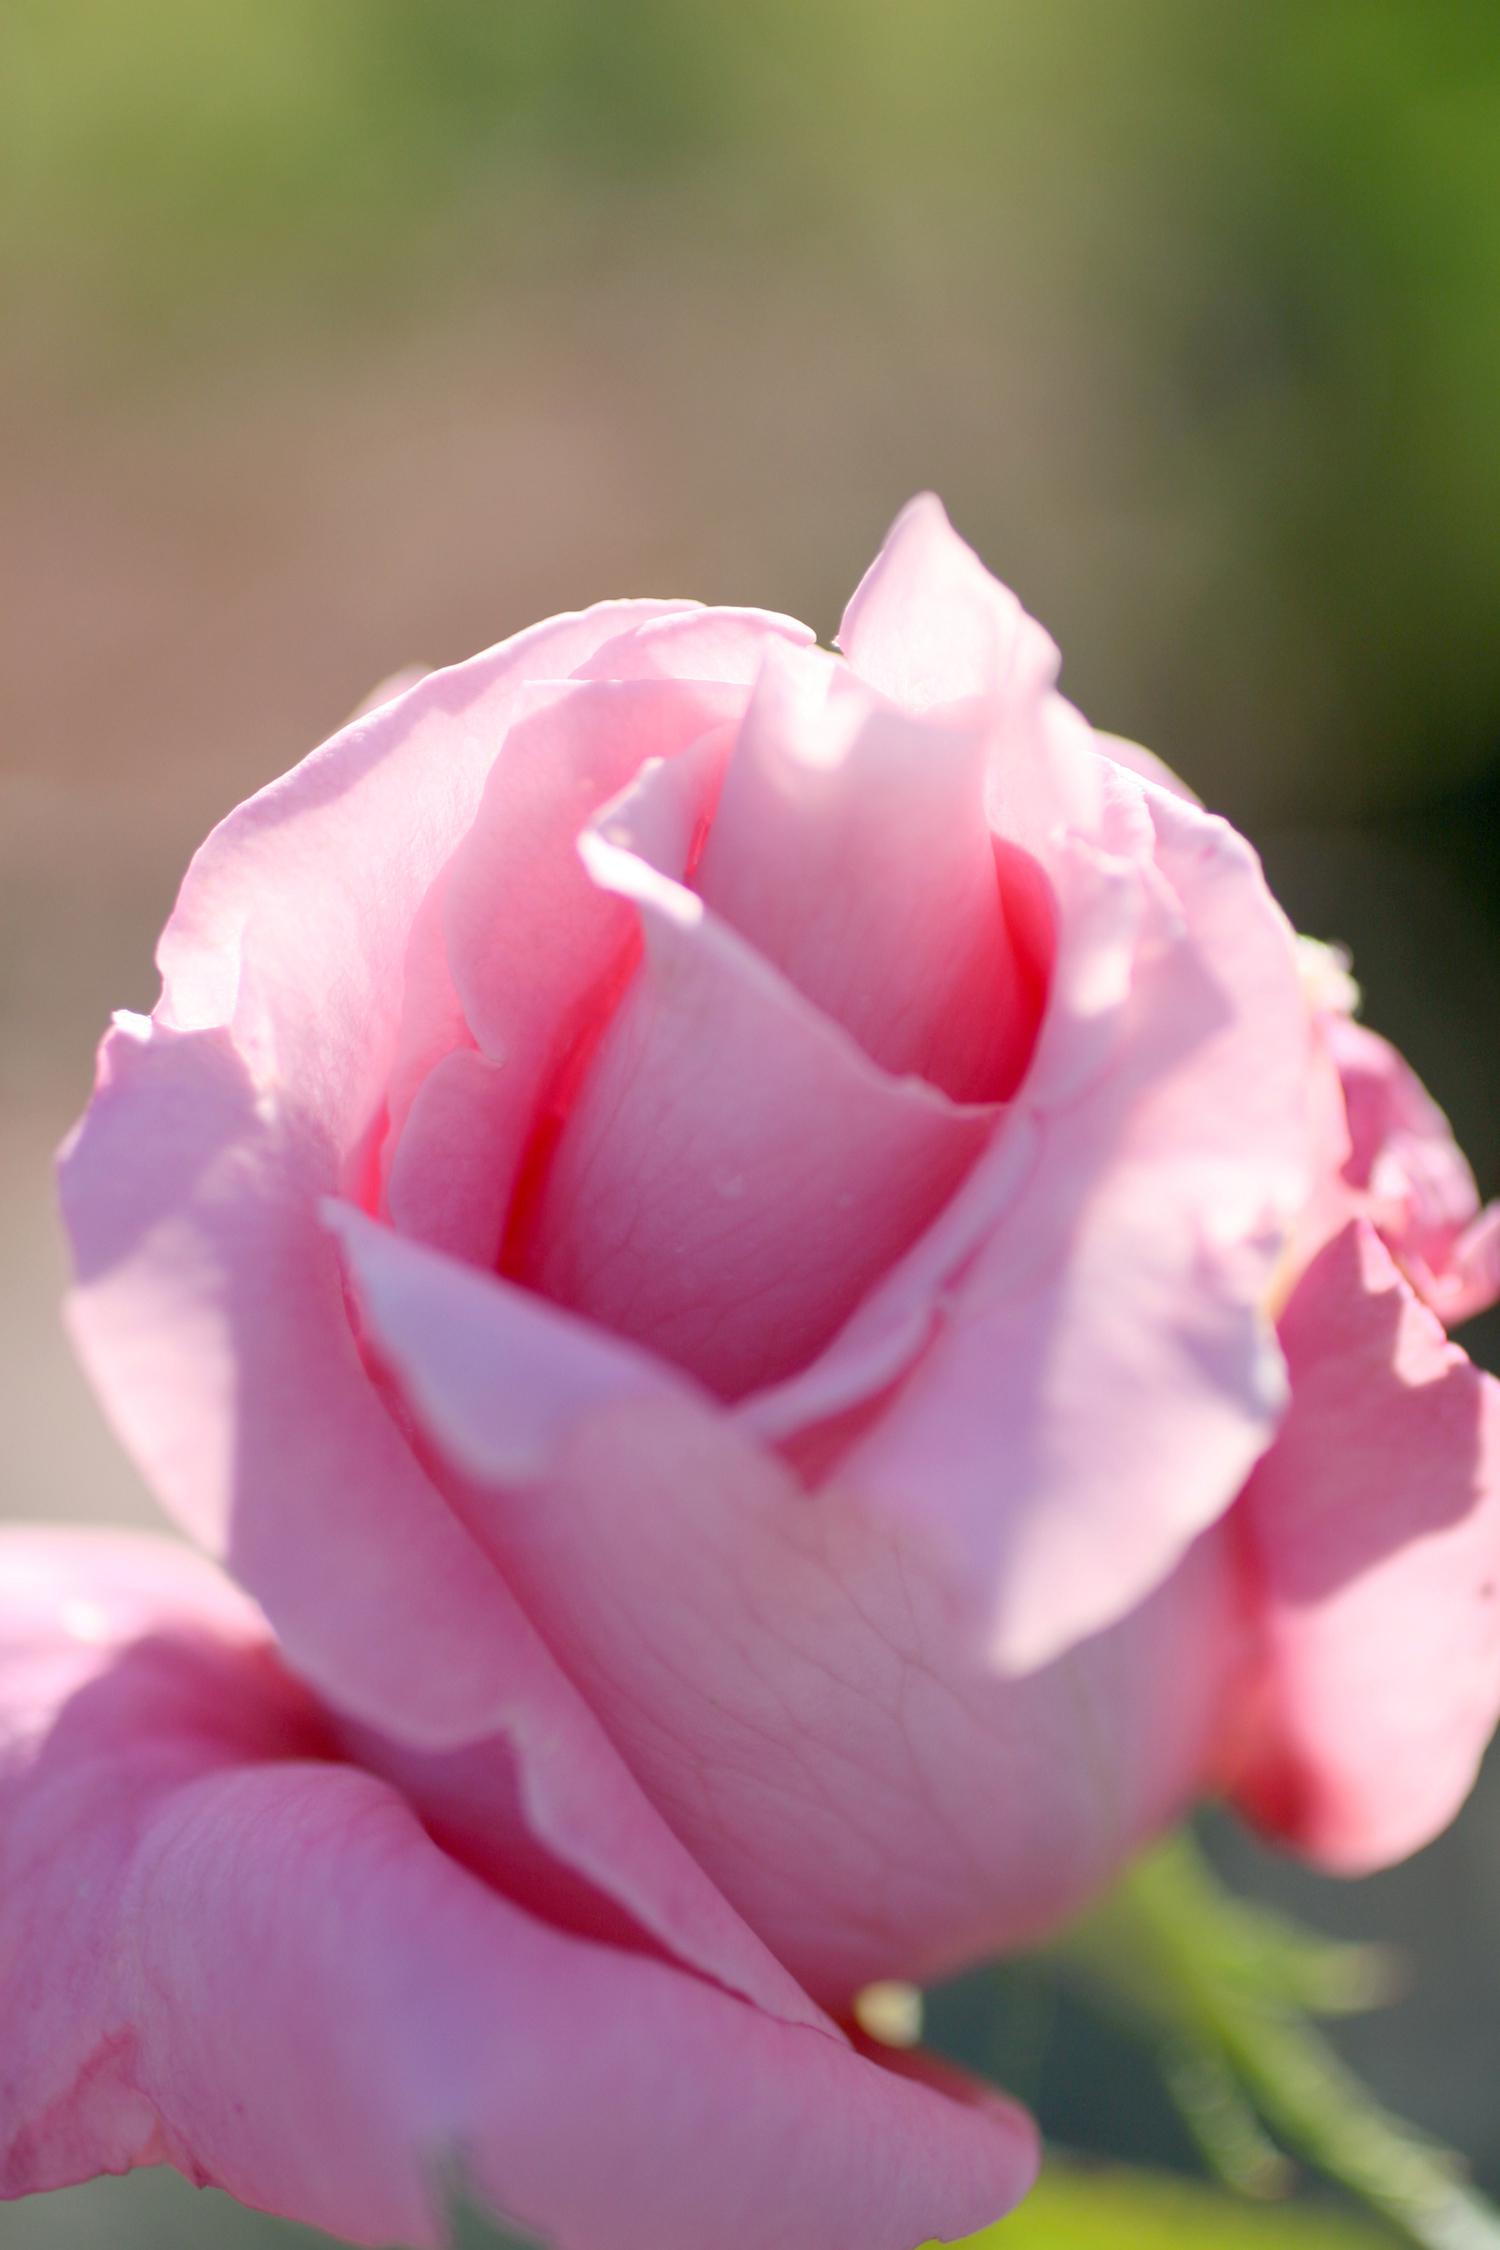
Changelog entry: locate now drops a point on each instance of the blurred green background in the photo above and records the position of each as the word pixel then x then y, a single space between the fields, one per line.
pixel 345 332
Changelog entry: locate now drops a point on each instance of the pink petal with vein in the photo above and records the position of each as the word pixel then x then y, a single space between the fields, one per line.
pixel 221 1950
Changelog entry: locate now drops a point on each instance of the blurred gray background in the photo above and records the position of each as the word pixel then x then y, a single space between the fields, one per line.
pixel 345 334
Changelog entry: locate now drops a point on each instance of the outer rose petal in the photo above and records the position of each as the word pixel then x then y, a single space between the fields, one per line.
pixel 1146 764
pixel 128 1670
pixel 692 643
pixel 454 992
pixel 211 1309
pixel 275 1981
pixel 1409 1177
pixel 329 865
pixel 803 1704
pixel 1372 1530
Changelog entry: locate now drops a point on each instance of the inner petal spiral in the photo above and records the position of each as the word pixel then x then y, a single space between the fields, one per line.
pixel 807 1061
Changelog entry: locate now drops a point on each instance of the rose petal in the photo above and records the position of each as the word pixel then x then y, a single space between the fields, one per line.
pixel 693 643
pixel 432 1026
pixel 1139 760
pixel 293 921
pixel 1373 1530
pixel 220 1951
pixel 211 1311
pixel 1075 843
pixel 129 1670
pixel 735 1172
pixel 1470 1280
pixel 804 1706
pixel 515 951
pixel 525 840
pixel 530 938
pixel 852 849
pixel 1115 1321
pixel 524 1369
pixel 1410 1178
pixel 1106 903
pixel 463 1142
pixel 927 624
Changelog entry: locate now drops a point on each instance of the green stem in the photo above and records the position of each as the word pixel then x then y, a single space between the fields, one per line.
pixel 1225 1993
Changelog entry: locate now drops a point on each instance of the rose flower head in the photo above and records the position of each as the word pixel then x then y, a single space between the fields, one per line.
pixel 801 1317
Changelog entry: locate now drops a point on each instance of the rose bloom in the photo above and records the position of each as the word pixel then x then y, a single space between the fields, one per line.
pixel 800 1318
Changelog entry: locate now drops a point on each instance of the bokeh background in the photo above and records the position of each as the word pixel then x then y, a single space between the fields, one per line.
pixel 342 333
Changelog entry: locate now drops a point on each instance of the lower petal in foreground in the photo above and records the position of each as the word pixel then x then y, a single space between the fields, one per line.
pixel 806 1710
pixel 193 1209
pixel 222 1949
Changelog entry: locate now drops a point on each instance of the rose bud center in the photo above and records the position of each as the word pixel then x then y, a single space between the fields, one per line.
pixel 808 1056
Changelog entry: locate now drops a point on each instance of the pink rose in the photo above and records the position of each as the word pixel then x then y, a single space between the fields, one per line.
pixel 804 1319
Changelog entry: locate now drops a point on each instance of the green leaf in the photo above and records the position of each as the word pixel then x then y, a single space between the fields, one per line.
pixel 1077 2208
